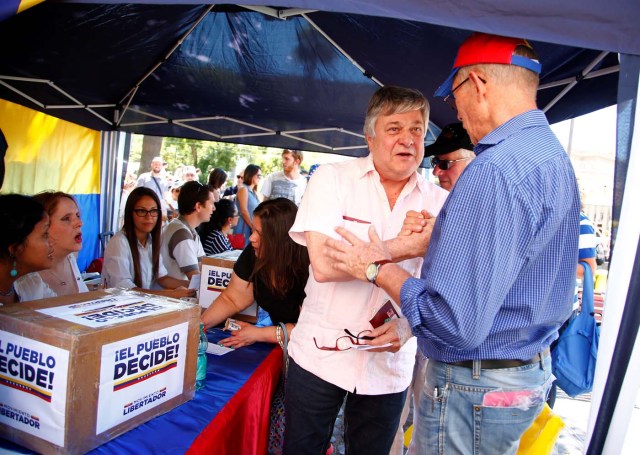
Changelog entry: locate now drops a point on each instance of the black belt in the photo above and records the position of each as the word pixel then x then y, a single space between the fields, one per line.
pixel 490 364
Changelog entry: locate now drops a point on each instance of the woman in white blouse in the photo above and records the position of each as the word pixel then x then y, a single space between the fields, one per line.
pixel 132 257
pixel 65 233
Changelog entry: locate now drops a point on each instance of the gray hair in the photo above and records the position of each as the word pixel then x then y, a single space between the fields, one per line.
pixel 394 100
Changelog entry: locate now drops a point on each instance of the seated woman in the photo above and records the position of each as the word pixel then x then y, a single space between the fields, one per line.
pixel 24 249
pixel 65 233
pixel 214 233
pixel 132 257
pixel 273 270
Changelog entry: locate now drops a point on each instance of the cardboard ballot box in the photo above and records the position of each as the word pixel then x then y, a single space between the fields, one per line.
pixel 214 278
pixel 77 371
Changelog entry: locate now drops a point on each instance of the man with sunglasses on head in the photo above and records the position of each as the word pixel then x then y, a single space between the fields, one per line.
pixel 326 361
pixel 181 247
pixel 452 152
pixel 498 276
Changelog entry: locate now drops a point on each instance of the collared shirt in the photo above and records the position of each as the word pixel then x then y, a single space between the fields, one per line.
pixel 117 269
pixel 499 274
pixel 350 194
pixel 181 248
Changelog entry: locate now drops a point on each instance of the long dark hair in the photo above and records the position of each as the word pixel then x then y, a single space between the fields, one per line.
pixel 19 215
pixel 130 232
pixel 250 172
pixel 282 262
pixel 225 209
pixel 217 177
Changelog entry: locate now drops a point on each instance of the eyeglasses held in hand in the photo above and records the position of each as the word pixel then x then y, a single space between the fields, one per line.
pixel 344 343
pixel 444 164
pixel 155 213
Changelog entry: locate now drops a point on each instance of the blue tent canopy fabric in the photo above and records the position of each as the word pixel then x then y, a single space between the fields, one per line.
pixel 243 76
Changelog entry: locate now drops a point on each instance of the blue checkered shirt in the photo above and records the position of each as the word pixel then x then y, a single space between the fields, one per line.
pixel 499 275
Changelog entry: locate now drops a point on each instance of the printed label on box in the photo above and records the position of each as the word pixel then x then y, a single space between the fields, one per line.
pixel 109 310
pixel 140 373
pixel 213 281
pixel 33 387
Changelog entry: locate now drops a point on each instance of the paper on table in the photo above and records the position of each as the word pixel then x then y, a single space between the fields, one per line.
pixel 195 281
pixel 216 349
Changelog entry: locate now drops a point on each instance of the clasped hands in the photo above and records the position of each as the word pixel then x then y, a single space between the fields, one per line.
pixel 352 256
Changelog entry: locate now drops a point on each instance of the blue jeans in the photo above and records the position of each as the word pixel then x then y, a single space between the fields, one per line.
pixel 463 415
pixel 312 405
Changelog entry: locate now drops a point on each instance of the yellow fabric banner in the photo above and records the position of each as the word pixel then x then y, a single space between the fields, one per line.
pixel 26 4
pixel 46 153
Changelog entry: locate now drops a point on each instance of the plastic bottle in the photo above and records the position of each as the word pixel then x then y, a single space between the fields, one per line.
pixel 201 371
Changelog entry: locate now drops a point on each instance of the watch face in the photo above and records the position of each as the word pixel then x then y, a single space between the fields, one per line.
pixel 372 272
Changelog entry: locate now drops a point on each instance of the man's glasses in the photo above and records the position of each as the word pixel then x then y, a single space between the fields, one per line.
pixel 344 343
pixel 155 213
pixel 444 164
pixel 450 99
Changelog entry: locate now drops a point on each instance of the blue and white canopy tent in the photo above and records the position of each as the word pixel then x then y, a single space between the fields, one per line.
pixel 300 76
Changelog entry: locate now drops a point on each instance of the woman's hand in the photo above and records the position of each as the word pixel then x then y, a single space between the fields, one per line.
pixel 248 334
pixel 180 292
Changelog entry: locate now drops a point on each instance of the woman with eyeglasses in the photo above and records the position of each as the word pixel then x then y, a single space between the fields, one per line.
pixel 132 259
pixel 273 270
pixel 214 234
pixel 65 235
pixel 247 200
pixel 24 249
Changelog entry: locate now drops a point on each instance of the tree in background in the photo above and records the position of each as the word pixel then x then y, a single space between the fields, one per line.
pixel 207 155
pixel 151 147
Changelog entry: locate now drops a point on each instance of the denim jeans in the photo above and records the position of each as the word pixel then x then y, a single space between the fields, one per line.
pixel 463 415
pixel 311 408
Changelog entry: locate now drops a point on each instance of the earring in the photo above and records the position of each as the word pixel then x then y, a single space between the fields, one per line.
pixel 13 272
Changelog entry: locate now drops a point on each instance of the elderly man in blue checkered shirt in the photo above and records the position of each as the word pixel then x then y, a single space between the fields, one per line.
pixel 499 272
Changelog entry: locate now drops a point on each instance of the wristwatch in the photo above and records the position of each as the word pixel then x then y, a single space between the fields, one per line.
pixel 372 270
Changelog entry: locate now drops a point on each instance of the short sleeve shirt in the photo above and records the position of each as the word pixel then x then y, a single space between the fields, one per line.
pixel 356 200
pixel 181 249
pixel 281 309
pixel 279 185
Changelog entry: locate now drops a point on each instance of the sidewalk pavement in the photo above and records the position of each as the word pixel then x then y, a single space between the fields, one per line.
pixel 575 413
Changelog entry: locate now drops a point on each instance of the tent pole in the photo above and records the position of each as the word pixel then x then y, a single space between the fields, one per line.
pixel 583 73
pixel 342 51
pixel 131 93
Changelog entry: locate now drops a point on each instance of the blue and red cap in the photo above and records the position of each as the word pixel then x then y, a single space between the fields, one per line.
pixel 482 48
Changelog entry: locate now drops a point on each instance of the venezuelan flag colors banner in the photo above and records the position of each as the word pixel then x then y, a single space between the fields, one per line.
pixel 46 153
pixel 10 7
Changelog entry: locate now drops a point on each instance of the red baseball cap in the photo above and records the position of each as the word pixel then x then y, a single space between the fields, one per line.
pixel 483 48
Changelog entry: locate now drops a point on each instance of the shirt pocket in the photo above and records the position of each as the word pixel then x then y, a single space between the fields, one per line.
pixel 360 228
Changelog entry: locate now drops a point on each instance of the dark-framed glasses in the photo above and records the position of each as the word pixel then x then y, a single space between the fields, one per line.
pixel 444 164
pixel 346 342
pixel 155 213
pixel 450 99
